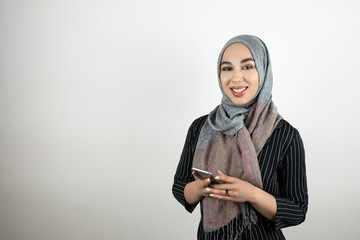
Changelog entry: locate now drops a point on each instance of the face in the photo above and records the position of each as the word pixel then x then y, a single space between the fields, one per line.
pixel 238 74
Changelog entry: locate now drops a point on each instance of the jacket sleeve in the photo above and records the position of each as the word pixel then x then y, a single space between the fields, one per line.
pixel 183 173
pixel 292 203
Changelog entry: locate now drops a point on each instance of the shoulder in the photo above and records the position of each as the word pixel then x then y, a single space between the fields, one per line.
pixel 197 124
pixel 285 128
pixel 199 121
pixel 284 134
pixel 195 127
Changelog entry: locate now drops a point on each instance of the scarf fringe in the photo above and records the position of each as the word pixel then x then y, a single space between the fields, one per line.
pixel 235 228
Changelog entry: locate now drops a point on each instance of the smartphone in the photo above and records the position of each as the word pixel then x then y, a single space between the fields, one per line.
pixel 205 174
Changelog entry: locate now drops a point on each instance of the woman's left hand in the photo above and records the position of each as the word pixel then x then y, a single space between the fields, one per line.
pixel 243 191
pixel 233 189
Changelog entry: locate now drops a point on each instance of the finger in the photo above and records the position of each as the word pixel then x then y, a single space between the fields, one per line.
pixel 211 190
pixel 222 197
pixel 206 191
pixel 224 178
pixel 224 186
pixel 206 182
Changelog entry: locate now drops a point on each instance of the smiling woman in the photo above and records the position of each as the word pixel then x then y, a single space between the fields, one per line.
pixel 239 78
pixel 256 155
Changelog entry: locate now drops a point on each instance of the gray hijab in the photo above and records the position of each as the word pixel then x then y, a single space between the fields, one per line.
pixel 228 117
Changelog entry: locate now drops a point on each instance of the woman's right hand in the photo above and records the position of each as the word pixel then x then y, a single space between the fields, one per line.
pixel 196 190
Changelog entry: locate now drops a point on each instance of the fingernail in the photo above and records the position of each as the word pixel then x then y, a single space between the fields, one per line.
pixel 208 180
pixel 217 177
pixel 211 195
pixel 207 189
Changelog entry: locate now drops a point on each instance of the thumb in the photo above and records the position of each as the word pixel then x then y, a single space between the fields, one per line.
pixel 206 182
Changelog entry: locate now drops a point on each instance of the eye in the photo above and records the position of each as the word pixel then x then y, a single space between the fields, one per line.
pixel 226 69
pixel 247 67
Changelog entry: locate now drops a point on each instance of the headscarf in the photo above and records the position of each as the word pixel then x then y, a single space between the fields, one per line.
pixel 233 136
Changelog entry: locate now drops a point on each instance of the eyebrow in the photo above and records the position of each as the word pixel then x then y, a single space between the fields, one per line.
pixel 242 61
pixel 246 60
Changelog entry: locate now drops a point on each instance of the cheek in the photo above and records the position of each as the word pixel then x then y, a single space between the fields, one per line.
pixel 254 87
pixel 256 83
pixel 254 79
pixel 224 80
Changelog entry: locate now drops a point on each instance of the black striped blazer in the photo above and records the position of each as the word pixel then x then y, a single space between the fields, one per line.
pixel 282 165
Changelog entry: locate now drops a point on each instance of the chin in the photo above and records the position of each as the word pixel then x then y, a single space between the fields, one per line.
pixel 239 102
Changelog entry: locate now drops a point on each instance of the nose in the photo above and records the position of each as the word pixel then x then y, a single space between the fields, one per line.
pixel 238 76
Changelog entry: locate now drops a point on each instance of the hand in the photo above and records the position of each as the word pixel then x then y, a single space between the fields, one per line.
pixel 243 191
pixel 232 189
pixel 196 190
pixel 202 184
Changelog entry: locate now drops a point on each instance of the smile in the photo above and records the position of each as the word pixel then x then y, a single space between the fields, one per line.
pixel 239 91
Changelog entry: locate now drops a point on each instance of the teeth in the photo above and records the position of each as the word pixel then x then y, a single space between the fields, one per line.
pixel 239 90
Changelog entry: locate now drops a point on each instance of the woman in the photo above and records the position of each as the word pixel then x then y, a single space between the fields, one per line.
pixel 256 155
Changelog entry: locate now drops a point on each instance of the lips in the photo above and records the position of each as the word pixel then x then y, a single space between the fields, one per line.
pixel 238 91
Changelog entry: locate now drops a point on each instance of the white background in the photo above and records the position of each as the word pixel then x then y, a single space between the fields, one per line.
pixel 96 98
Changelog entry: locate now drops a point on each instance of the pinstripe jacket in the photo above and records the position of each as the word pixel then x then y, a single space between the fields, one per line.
pixel 282 165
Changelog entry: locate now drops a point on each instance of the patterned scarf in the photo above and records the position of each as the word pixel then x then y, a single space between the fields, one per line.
pixel 232 137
